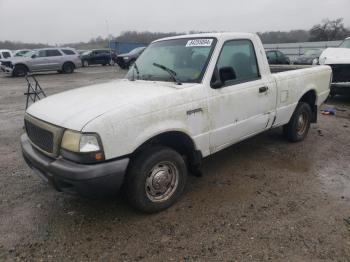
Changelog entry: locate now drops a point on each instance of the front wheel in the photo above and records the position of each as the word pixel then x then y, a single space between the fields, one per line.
pixel 298 126
pixel 156 179
pixel 20 70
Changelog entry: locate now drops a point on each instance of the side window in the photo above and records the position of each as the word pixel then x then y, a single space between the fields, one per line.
pixel 41 53
pixel 53 52
pixel 239 56
pixel 279 54
pixel 271 55
pixel 68 52
pixel 6 54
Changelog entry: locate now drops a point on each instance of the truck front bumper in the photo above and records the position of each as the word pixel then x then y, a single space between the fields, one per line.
pixel 88 180
pixel 340 88
pixel 6 69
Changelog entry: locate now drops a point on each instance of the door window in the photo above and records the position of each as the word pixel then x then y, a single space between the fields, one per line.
pixel 280 55
pixel 271 55
pixel 68 52
pixel 41 53
pixel 53 52
pixel 239 55
pixel 6 54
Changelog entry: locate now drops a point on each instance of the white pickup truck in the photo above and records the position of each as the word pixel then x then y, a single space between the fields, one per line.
pixel 339 60
pixel 185 98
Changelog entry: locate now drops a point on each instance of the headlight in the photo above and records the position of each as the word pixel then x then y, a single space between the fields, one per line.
pixel 126 58
pixel 80 147
pixel 88 143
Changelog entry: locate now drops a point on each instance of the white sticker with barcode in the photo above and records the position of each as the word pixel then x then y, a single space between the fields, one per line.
pixel 199 42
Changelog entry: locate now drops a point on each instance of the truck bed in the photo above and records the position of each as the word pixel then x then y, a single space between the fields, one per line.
pixel 283 68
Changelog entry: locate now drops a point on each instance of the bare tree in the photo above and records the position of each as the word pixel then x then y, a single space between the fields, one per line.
pixel 329 30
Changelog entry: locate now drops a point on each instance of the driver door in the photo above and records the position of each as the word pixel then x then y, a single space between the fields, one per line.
pixel 40 61
pixel 244 104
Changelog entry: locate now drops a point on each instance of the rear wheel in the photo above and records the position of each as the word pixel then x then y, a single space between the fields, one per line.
pixel 20 70
pixel 299 125
pixel 68 68
pixel 156 179
pixel 111 62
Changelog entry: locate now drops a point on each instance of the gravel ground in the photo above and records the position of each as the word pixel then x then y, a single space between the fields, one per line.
pixel 262 199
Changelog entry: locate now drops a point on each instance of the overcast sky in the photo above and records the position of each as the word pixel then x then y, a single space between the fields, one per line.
pixel 63 21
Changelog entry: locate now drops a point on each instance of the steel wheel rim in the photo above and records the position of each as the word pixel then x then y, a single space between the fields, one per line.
pixel 162 181
pixel 302 123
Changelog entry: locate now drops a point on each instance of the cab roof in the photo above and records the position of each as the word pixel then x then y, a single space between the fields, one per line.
pixel 218 36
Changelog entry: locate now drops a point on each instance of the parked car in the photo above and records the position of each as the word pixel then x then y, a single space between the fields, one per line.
pixel 187 97
pixel 21 52
pixel 276 57
pixel 310 57
pixel 81 52
pixel 5 53
pixel 339 59
pixel 98 57
pixel 64 60
pixel 125 60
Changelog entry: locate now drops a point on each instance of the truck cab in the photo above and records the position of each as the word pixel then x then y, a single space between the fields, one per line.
pixel 184 98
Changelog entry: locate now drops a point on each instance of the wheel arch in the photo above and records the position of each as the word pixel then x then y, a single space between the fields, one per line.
pixel 22 64
pixel 177 140
pixel 310 97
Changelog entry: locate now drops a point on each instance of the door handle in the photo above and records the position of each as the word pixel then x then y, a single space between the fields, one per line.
pixel 263 89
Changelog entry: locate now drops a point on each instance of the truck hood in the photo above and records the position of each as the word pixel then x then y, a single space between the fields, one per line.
pixel 74 109
pixel 335 56
pixel 16 59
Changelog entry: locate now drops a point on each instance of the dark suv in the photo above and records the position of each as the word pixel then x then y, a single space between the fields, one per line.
pixel 98 57
pixel 276 57
pixel 127 59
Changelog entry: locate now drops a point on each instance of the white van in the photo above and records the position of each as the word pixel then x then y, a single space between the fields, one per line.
pixel 5 53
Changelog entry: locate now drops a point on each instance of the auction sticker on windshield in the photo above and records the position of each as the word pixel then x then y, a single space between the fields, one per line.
pixel 199 42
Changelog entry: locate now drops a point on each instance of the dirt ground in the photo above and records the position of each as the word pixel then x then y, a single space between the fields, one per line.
pixel 262 199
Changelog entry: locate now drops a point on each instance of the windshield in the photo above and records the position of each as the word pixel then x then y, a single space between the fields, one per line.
pixel 136 50
pixel 187 58
pixel 345 44
pixel 313 52
pixel 29 53
pixel 86 53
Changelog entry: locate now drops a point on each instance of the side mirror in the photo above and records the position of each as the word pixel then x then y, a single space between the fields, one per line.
pixel 221 76
pixel 33 56
pixel 217 84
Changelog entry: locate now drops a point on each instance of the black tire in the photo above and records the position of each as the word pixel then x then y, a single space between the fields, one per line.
pixel 68 68
pixel 299 124
pixel 111 62
pixel 142 175
pixel 20 70
pixel 131 62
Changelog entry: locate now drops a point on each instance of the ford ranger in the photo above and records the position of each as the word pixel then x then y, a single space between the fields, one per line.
pixel 185 98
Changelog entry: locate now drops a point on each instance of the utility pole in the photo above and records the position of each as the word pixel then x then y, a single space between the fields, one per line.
pixel 109 41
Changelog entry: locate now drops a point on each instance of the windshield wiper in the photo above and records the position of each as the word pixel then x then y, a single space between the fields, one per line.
pixel 172 73
pixel 137 72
